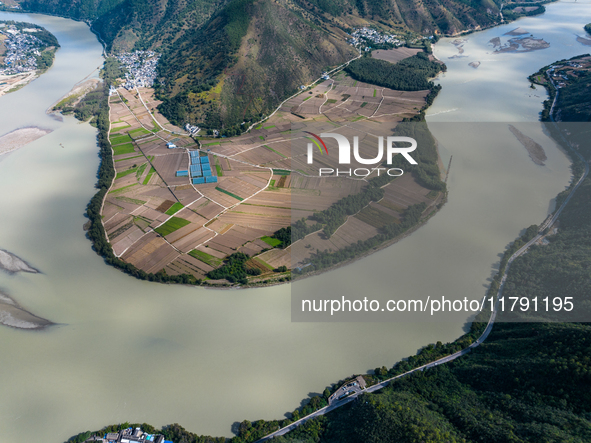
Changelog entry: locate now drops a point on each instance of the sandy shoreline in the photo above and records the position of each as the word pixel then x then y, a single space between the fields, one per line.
pixel 13 315
pixel 15 81
pixel 20 137
pixel 77 92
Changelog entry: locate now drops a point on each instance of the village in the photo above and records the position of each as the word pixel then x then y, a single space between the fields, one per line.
pixel 21 50
pixel 367 35
pixel 129 435
pixel 141 67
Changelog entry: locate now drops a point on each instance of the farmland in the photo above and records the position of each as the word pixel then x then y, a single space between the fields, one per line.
pixel 159 221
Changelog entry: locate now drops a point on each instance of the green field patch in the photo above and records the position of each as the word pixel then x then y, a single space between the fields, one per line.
pixel 123 149
pixel 375 91
pixel 229 193
pixel 211 144
pixel 206 258
pixel 355 84
pixel 360 117
pixel 273 242
pixel 121 190
pixel 171 225
pixel 345 97
pixel 120 128
pixel 139 131
pixel 134 201
pixel 149 176
pixel 272 183
pixel 119 139
pixel 126 172
pixel 269 127
pixel 273 150
pixel 331 100
pixel 262 262
pixel 307 98
pixel 364 104
pixel 259 127
pixel 140 171
pixel 261 137
pixel 281 172
pixel 174 209
pixel 218 169
pixel 128 158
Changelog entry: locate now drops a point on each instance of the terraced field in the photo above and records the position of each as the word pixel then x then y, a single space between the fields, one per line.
pixel 160 221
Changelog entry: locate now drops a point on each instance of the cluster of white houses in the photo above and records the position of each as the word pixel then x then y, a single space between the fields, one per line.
pixel 130 435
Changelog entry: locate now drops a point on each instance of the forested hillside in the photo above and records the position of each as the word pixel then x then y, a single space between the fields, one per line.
pixel 244 61
pixel 526 383
pixel 410 74
pixel 226 62
pixel 77 9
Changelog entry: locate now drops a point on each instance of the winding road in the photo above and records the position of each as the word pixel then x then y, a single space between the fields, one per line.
pixel 547 224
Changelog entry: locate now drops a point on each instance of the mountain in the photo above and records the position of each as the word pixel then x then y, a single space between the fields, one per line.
pixel 76 9
pixel 229 61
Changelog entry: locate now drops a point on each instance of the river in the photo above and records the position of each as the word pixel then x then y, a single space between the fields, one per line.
pixel 130 350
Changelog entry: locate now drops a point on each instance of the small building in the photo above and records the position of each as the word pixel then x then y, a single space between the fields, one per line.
pixel 170 145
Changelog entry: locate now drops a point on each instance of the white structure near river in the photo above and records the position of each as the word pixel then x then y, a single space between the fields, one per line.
pixel 206 359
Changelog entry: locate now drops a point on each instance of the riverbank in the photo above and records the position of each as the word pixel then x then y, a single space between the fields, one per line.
pixel 12 83
pixel 67 102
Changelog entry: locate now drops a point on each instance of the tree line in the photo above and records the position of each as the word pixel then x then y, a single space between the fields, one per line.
pixel 410 74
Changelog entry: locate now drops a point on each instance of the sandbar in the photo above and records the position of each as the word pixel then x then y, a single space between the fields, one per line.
pixel 517 31
pixel 12 264
pixel 20 137
pixel 535 151
pixel 13 315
